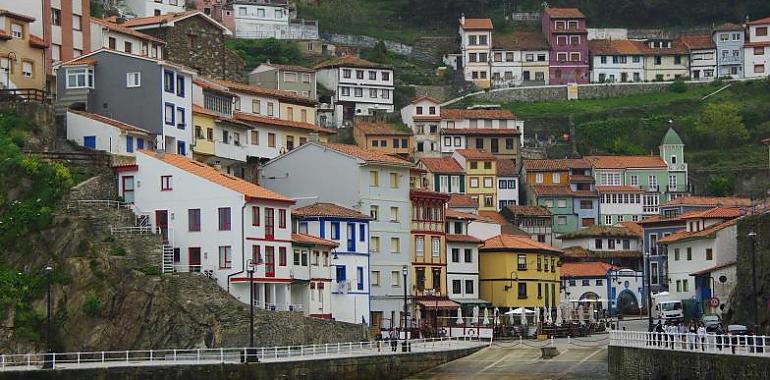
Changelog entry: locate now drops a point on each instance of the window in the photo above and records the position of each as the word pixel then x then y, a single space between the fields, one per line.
pixel 586 283
pixel 759 69
pixel 685 286
pixel 522 290
pixel 374 212
pixel 374 178
pixel 436 247
pixel 761 31
pixel 489 201
pixel 180 118
pixel 374 277
pixel 27 69
pixel 80 78
pixel 346 73
pixel 468 253
pixel 473 182
pixel 561 57
pixel 394 217
pixel 610 243
pixel 586 204
pixel 225 257
pixel 374 244
pixel 689 254
pixel 488 182
pixel 393 180
pixel 419 246
pixel 224 219
pixel 282 256
pixel 168 81
pixel 522 262
pixel 539 178
pixel 194 219
pixel 133 79
pixel 165 183
pixel 455 255
pixel 395 278
pixel 282 220
pixel 561 220
pixel 17 31
pixel 709 254
pixel 358 92
pixel 456 286
pixel 395 245
pixel 574 57
pixel 255 216
pixel 56 17
pixel 561 203
pixel 608 219
pixel 127 47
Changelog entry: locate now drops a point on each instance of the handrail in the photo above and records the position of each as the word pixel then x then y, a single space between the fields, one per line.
pixel 23 95
pixel 73 360
pixel 723 344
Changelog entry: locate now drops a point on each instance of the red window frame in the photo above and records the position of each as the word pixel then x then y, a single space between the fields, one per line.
pixel 255 216
pixel 282 218
pixel 225 262
pixel 224 219
pixel 256 254
pixel 269 261
pixel 269 223
pixel 282 256
pixel 194 220
pixel 165 183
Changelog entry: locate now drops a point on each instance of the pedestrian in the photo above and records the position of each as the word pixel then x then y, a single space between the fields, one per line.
pixel 702 336
pixel 719 334
pixel 671 333
pixel 393 340
pixel 692 335
pixel 659 332
pixel 682 330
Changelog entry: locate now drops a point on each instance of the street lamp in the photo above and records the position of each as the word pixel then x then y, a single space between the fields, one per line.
pixel 48 362
pixel 251 352
pixel 648 279
pixel 404 272
pixel 753 237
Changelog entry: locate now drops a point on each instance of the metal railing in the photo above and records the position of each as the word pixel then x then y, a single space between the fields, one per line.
pixel 97 158
pixel 276 306
pixel 110 203
pixel 23 95
pixel 72 360
pixel 751 345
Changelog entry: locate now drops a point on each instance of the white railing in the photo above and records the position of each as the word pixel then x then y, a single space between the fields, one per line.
pixel 131 230
pixel 72 360
pixel 276 306
pixel 751 345
pixel 111 203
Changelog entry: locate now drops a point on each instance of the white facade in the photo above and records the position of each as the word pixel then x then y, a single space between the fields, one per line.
pixel 617 207
pixel 484 229
pixel 423 116
pixel 147 8
pixel 604 243
pixel 462 263
pixel 617 68
pixel 177 97
pixel 260 20
pixel 507 191
pixel 103 36
pixel 100 133
pixel 703 64
pixel 475 45
pixel 215 241
pixel 618 288
pixel 367 89
pixel 757 51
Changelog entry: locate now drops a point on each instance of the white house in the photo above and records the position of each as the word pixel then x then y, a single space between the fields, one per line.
pixel 519 58
pixel 462 261
pixel 370 182
pixel 709 240
pixel 362 87
pixel 616 61
pixel 476 45
pixel 102 133
pixel 703 56
pixel 215 223
pixel 270 19
pixel 602 287
pixel 619 203
pixel 351 277
pixel 757 49
pixel 147 8
pixel 507 183
pixel 312 272
pixel 111 35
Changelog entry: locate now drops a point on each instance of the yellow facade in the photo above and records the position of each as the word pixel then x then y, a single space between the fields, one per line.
pixel 481 182
pixel 297 112
pixel 504 283
pixel 555 177
pixel 203 133
pixel 22 54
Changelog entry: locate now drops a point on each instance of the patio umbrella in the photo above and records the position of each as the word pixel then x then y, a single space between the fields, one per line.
pixel 497 316
pixel 523 317
pixel 475 314
pixel 559 321
pixel 518 311
pixel 510 315
pixel 547 316
pixel 591 313
pixel 486 316
pixel 459 316
pixel 537 314
pixel 580 313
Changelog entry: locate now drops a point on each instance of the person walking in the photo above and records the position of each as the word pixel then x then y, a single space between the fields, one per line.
pixel 702 336
pixel 719 333
pixel 682 330
pixel 692 335
pixel 671 330
pixel 393 340
pixel 659 332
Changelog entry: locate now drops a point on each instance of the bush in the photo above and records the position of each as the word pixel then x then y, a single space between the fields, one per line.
pixel 92 305
pixel 678 86
pixel 118 251
pixel 150 270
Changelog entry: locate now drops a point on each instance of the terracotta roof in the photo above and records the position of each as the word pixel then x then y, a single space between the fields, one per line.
pixel 516 243
pixel 596 230
pixel 616 47
pixel 714 268
pixel 428 98
pixel 366 155
pixel 80 62
pixel 476 24
pixel 112 122
pixel 765 20
pixel 17 16
pixel 728 26
pixel 709 201
pixel 634 227
pixel 442 165
pixel 557 164
pixel 717 213
pixel 170 18
pixel 560 190
pixel 331 210
pixel 534 211
pixel 254 90
pixel 427 118
pixel 581 253
pixel 757 44
pixel 301 69
pixel 454 214
pixel 37 42
pixel 708 232
pixel 564 13
pixel 619 189
pixel 251 118
pixel 312 240
pixel 495 217
pixel 475 154
pixel 211 86
pixel 350 61
pixel 664 219
pixel 701 41
pixel 462 113
pixel 624 162
pixel 120 28
pixel 677 47
pixel 462 239
pixel 506 168
pixel 481 131
pixel 207 172
pixel 433 195
pixel 520 40
pixel 462 200
pixel 585 269
pixel 380 128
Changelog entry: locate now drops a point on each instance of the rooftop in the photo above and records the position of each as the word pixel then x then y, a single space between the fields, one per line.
pixel 709 201
pixel 462 200
pixel 619 189
pixel 381 128
pixel 312 240
pixel 329 210
pixel 707 233
pixel 252 118
pixel 564 13
pixel 120 28
pixel 516 243
pixel 476 24
pixel 728 26
pixel 480 131
pixel 536 211
pixel 462 239
pixel 761 21
pixel 442 165
pixel 585 269
pixel 626 162
pixel 427 98
pixel 712 269
pixel 462 113
pixel 106 120
pixel 301 69
pixel 615 47
pixel 717 213
pixel 520 40
pixel 475 154
pixel 582 253
pixel 601 231
pixel 366 155
pixel 561 190
pixel 170 18
pixel 255 90
pixel 695 42
pixel 350 61
pixel 506 168
pixel 454 214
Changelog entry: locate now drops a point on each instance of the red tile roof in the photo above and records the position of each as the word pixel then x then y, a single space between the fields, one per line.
pixel 624 162
pixel 161 20
pixel 480 131
pixel 37 42
pixel 462 200
pixel 120 28
pixel 616 47
pixel 709 201
pixel 301 69
pixel 619 189
pixel 581 253
pixel 350 61
pixel 516 243
pixel 677 47
pixel 561 190
pixel 442 165
pixel 17 16
pixel 717 213
pixel 454 214
pixel 112 122
pixel 634 227
pixel 428 98
pixel 331 210
pixel 696 42
pixel 476 24
pixel 585 269
pixel 596 230
pixel 714 268
pixel 381 128
pixel 506 168
pixel 312 240
pixel 728 26
pixel 80 62
pixel 206 172
pixel 475 154
pixel 461 113
pixel 520 40
pixel 564 13
pixel 665 219
pixel 251 118
pixel 558 164
pixel 708 233
pixel 366 155
pixel 495 217
pixel 255 90
pixel 462 239
pixel 765 20
pixel 533 211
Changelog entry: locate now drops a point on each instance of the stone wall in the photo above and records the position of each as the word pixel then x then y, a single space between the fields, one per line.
pixel 392 367
pixel 433 49
pixel 586 91
pixel 366 41
pixel 744 301
pixel 638 363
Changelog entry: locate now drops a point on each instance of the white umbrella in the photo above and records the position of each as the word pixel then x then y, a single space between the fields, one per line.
pixel 559 321
pixel 591 313
pixel 475 314
pixel 510 315
pixel 497 316
pixel 459 316
pixel 537 314
pixel 523 319
pixel 519 311
pixel 580 313
pixel 486 316
pixel 547 315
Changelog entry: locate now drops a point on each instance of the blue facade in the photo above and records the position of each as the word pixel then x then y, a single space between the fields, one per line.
pixel 729 42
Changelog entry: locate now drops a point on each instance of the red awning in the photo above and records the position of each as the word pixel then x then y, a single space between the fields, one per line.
pixel 441 304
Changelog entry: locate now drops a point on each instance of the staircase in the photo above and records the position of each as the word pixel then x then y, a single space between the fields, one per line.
pixel 168 258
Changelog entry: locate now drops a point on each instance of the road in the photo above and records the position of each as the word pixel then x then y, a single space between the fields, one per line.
pixel 520 362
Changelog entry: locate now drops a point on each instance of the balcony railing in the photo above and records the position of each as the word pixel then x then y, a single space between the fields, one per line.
pixel 677 167
pixel 743 345
pixel 653 188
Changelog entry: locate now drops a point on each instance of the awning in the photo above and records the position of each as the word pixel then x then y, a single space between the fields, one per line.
pixel 472 301
pixel 441 304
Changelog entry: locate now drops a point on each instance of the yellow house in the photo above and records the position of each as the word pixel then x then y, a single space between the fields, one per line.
pixel 665 60
pixel 384 138
pixel 516 271
pixel 22 54
pixel 205 124
pixel 480 176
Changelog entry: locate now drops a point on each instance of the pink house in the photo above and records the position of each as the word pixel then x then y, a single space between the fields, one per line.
pixel 220 10
pixel 565 29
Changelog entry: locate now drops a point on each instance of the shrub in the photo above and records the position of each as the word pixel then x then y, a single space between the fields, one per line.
pixel 92 305
pixel 150 270
pixel 678 86
pixel 118 251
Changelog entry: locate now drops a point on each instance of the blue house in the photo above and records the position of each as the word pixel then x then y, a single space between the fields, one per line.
pixel 351 275
pixel 729 39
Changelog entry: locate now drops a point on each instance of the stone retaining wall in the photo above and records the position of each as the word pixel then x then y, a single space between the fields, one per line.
pixel 366 41
pixel 587 91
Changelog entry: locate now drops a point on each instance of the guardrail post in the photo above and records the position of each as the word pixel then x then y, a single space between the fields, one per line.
pixel 175 354
pixel 29 360
pixel 78 358
pixel 53 360
pixel 350 349
pixel 222 354
pixel 2 361
pixel 126 356
pixel 198 355
pixel 326 349
pixel 339 345
pixel 263 353
pixel 102 357
pixel 276 352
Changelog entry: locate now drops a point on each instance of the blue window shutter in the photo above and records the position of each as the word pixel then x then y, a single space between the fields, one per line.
pixel 180 148
pixel 361 232
pixel 89 142
pixel 139 143
pixel 341 275
pixel 322 229
pixel 129 144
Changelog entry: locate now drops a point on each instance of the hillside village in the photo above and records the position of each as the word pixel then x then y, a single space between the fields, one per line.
pixel 310 189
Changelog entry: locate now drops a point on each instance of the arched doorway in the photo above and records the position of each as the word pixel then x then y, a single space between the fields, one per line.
pixel 590 299
pixel 627 302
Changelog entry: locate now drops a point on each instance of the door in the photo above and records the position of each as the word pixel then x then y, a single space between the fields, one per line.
pixel 351 237
pixel 194 259
pixel 624 77
pixel 89 142
pixel 495 146
pixel 128 189
pixel 525 75
pixel 161 223
pixel 269 261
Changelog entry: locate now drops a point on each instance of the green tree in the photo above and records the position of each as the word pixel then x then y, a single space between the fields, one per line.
pixel 255 52
pixel 721 124
pixel 378 53
pixel 720 185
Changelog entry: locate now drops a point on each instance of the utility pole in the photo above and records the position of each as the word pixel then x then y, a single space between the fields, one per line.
pixel 753 239
pixel 48 362
pixel 251 352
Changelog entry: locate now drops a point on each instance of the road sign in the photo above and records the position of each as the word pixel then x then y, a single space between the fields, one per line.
pixel 714 302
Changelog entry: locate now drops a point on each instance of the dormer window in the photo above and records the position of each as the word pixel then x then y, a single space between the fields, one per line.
pixel 673 159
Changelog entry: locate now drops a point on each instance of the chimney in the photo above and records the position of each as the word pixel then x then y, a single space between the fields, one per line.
pixel 462 18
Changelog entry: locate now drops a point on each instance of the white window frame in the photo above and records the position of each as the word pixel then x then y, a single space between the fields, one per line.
pixel 134 79
pixel 76 72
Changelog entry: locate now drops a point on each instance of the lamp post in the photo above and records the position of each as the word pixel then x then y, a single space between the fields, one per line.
pixel 48 362
pixel 404 272
pixel 251 354
pixel 753 237
pixel 648 280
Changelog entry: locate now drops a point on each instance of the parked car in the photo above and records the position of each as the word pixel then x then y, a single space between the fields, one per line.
pixel 711 321
pixel 738 333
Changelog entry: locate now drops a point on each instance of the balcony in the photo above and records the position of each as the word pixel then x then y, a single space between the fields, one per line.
pixel 650 210
pixel 672 188
pixel 677 167
pixel 428 226
pixel 232 151
pixel 652 188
